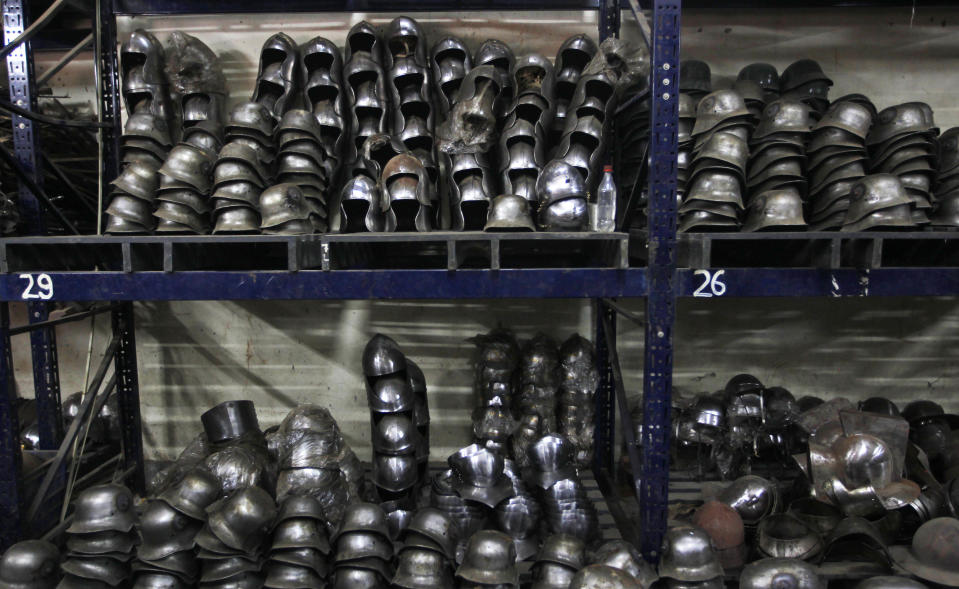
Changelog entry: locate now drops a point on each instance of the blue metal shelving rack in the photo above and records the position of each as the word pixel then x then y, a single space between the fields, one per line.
pixel 125 282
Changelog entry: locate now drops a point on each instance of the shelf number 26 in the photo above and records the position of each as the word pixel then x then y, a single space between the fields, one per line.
pixel 711 280
pixel 40 287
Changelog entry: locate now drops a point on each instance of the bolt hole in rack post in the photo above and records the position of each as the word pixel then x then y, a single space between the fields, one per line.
pixel 122 270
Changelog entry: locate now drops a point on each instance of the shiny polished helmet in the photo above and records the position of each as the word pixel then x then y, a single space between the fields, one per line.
pixel 30 564
pixel 551 460
pixel 230 420
pixel 752 496
pixel 782 573
pixel 395 473
pixel 490 559
pixel 390 394
pixel 244 519
pixel 301 532
pixel 563 549
pixel 394 434
pixel 495 53
pixel 433 526
pixel 688 555
pixel 353 546
pixel 364 517
pixel 219 570
pixel 103 508
pixel 357 578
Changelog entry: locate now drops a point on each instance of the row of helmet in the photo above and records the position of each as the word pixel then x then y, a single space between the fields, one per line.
pixel 807 156
pixel 399 424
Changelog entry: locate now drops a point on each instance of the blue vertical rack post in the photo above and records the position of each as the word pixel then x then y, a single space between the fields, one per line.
pixel 661 275
pixel 128 394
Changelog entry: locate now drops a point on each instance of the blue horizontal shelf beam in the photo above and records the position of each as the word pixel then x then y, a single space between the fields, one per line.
pixel 168 7
pixel 339 284
pixel 812 282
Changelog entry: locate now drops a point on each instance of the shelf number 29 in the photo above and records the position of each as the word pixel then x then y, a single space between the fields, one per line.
pixel 711 280
pixel 40 287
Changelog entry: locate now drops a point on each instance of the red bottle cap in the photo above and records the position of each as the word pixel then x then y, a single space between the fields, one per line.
pixel 607 168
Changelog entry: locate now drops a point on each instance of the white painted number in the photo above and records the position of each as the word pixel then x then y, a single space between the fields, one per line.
pixel 717 287
pixel 44 287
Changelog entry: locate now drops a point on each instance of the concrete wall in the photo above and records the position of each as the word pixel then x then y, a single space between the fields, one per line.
pixel 193 355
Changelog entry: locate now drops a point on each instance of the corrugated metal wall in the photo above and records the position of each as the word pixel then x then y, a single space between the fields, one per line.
pixel 193 355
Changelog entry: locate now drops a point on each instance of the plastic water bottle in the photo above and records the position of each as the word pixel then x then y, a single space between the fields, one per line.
pixel 606 202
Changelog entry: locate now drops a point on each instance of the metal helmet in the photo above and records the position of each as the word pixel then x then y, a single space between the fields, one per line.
pixel 230 420
pixel 551 459
pixel 304 557
pixel 495 53
pixel 164 530
pixel 97 568
pixel 244 519
pixel 152 580
pixel 559 181
pixel 239 219
pixel 184 565
pixel 191 165
pixel 784 116
pixel 695 76
pixel 802 72
pixel 300 506
pixel 688 555
pixel 395 473
pixel 143 52
pixel 563 549
pixel 848 116
pixel 422 569
pixel 775 209
pixel 903 119
pixel 752 496
pixel 276 77
pixel 718 107
pixel 193 493
pixel 509 212
pixel 103 508
pixel 597 576
pixel 917 412
pixel 218 570
pixel 781 573
pixel 382 356
pixel 723 524
pixel 138 179
pixel 889 582
pixel 352 546
pixel 763 74
pixel 390 394
pixel 30 564
pixel 622 555
pixel 301 532
pixel 490 559
pixel 782 535
pixel 933 553
pixel 104 543
pixel 282 203
pixel 364 517
pixel 434 525
pixel 549 575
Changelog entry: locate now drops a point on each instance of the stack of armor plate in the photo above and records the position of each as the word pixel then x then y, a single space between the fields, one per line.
pixel 523 142
pixel 146 137
pixel 579 379
pixel 560 557
pixel 169 527
pixel 428 551
pixel 314 460
pixel 805 81
pixel 302 161
pixel 715 188
pixel 367 103
pixel 902 142
pixel 476 108
pixel 299 547
pixel 571 60
pixel 563 496
pixel 539 378
pixel 234 538
pixel 468 516
pixel 185 185
pixel 363 548
pixel 397 448
pixel 100 538
pixel 496 359
pixel 241 172
pixel 947 180
pixel 409 84
pixel 837 152
pixel 321 68
pixel 519 515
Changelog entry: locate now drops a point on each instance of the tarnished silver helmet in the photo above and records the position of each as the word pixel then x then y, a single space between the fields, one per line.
pixel 563 549
pixel 622 555
pixel 364 517
pixel 784 116
pixel 193 493
pixel 495 53
pixel 281 204
pixel 218 570
pixel 304 557
pixel 247 117
pixel 363 38
pixel 509 212
pixel 353 546
pixel 147 580
pixel 687 555
pixel 549 575
pixel 357 578
pixel 490 559
pixel 97 568
pixel 244 519
pixel 775 209
pixel 782 573
pixel 422 569
pixel 719 107
pixel 598 576
pixel 30 564
pixel 286 576
pixel 433 525
pixel 933 554
pixel 103 508
pixel 138 179
pixel 239 219
pixel 902 119
pixel 301 532
pixel 104 543
pixel 132 209
pixel 408 191
pixel 164 530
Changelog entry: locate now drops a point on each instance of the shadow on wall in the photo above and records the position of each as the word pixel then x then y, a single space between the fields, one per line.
pixel 194 355
pixel 902 348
